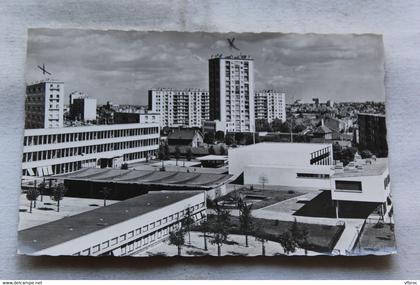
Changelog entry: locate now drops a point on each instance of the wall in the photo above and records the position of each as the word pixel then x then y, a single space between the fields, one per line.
pixel 397 20
pixel 287 176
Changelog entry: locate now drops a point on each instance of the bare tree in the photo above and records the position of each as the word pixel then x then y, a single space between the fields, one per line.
pixel 245 219
pixel 58 194
pixel 287 242
pixel 187 223
pixel 105 193
pixel 32 194
pixel 177 238
pixel 263 180
pixel 259 237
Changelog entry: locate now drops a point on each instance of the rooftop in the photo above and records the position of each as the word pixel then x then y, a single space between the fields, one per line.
pixel 213 157
pixel 375 168
pixel 183 134
pixel 373 115
pixel 149 177
pixel 284 147
pixel 50 234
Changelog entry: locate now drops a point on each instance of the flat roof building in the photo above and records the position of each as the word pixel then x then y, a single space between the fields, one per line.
pixel 270 105
pixel 44 105
pixel 120 229
pixel 363 180
pixel 63 150
pixel 145 117
pixel 83 109
pixel 231 92
pixel 372 134
pixel 180 107
pixel 283 164
pixel 124 184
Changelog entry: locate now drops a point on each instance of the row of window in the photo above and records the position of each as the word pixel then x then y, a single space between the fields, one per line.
pixel 355 186
pixel 313 175
pixel 84 150
pixel 82 136
pixel 171 220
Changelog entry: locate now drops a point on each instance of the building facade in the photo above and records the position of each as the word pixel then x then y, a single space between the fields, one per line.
pixel 44 105
pixel 180 108
pixel 372 134
pixel 127 228
pixel 83 109
pixel 363 181
pixel 270 105
pixel 283 164
pixel 231 92
pixel 63 150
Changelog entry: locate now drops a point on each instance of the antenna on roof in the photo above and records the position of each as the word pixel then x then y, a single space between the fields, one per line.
pixel 44 71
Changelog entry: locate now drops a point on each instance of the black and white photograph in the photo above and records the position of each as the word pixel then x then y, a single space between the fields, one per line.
pixel 147 143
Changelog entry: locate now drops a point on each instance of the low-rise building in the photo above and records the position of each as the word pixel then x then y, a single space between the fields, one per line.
pixel 121 229
pixel 364 181
pixel 283 164
pixel 83 109
pixel 63 150
pixel 185 137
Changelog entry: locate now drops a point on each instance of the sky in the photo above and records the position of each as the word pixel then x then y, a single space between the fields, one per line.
pixel 121 66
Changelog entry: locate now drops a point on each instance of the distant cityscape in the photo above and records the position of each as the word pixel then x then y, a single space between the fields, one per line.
pixel 199 172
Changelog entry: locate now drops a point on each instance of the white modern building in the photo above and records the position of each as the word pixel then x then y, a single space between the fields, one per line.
pixel 270 105
pixel 121 229
pixel 44 104
pixel 231 92
pixel 283 164
pixel 364 180
pixel 180 108
pixel 63 150
pixel 83 109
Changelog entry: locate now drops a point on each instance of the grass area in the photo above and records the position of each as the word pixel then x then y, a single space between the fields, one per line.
pixel 261 198
pixel 321 238
pixel 376 238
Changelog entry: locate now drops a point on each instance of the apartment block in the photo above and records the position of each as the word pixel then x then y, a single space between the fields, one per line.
pixel 44 105
pixel 270 105
pixel 180 107
pixel 231 92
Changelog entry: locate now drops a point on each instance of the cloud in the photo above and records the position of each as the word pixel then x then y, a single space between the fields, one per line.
pixel 121 66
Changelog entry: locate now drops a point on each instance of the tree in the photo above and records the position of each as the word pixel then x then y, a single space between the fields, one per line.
pixel 177 154
pixel 245 219
pixel 32 194
pixel 263 180
pixel 205 228
pixel 287 242
pixel 257 233
pixel 220 136
pixel 58 194
pixel 279 126
pixel 209 138
pixel 230 139
pixel 366 154
pixel 220 228
pixel 189 154
pixel 222 150
pixel 240 138
pixel 124 166
pixel 187 223
pixel 299 235
pixel 177 238
pixel 211 150
pixel 262 125
pixel 105 193
pixel 42 188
